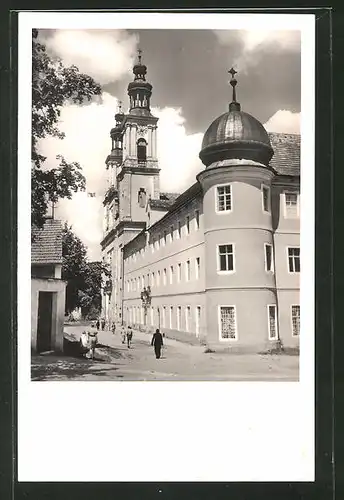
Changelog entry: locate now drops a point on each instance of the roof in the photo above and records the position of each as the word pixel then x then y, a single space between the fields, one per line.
pixel 286 158
pixel 46 247
pixel 165 202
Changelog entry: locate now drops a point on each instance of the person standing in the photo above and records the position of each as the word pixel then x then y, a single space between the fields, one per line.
pixel 113 328
pixel 123 334
pixel 157 342
pixel 103 323
pixel 129 336
pixel 98 324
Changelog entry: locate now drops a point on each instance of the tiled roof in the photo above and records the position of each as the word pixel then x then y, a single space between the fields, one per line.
pixel 286 158
pixel 165 202
pixel 46 246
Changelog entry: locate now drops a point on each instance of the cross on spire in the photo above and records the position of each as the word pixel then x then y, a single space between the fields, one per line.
pixel 139 52
pixel 233 82
pixel 120 106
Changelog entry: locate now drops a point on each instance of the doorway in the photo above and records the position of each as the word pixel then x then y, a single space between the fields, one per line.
pixel 44 323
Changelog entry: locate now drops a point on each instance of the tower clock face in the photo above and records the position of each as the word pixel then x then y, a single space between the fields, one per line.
pixel 142 130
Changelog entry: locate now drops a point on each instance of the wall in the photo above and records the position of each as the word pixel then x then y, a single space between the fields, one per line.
pixel 251 318
pixel 49 285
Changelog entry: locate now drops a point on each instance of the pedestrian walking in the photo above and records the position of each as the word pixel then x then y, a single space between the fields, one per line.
pixel 123 334
pixel 113 328
pixel 129 336
pixel 97 324
pixel 103 323
pixel 157 342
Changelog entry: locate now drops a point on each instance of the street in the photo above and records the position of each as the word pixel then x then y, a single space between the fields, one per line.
pixel 179 361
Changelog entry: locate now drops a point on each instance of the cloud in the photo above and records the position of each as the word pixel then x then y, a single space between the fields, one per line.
pixel 105 55
pixel 254 44
pixel 177 151
pixel 284 121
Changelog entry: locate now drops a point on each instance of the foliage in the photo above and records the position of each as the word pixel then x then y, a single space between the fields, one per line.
pixel 84 279
pixel 53 85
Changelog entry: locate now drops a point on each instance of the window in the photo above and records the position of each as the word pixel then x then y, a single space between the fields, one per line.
pixel 163 316
pixel 153 279
pixel 143 281
pixel 171 275
pixel 295 320
pixel 294 260
pixel 272 322
pixel 152 246
pixel 198 267
pixel 197 319
pixel 179 272
pixel 138 283
pixel 148 281
pixel 179 317
pixel 266 198
pixel 171 232
pixel 187 271
pixel 187 224
pixel 152 316
pixel 171 316
pixel 224 198
pixel 179 229
pixel 268 257
pixel 158 279
pixel 226 257
pixel 291 205
pixel 187 318
pixel 165 276
pixel 227 323
pixel 141 151
pixel 196 219
pixel 165 237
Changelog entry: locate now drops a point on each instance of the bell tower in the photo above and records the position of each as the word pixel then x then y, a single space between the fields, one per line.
pixel 138 175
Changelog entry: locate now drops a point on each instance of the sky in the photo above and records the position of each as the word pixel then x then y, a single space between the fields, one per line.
pixel 189 73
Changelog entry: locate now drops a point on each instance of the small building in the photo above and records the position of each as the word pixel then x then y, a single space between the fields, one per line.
pixel 48 290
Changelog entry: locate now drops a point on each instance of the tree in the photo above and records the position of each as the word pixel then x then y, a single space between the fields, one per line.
pixel 74 259
pixel 53 85
pixel 84 279
pixel 90 296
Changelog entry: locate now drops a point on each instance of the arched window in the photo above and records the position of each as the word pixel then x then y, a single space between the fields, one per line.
pixel 141 151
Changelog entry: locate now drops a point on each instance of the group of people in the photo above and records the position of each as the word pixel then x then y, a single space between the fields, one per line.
pixel 126 336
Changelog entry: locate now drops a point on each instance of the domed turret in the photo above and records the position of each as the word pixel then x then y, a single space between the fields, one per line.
pixel 236 135
pixel 139 90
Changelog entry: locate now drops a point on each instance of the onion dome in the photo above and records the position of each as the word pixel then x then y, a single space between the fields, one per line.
pixel 119 116
pixel 139 90
pixel 236 135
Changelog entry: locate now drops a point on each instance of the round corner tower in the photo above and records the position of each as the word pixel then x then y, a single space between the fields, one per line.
pixel 241 306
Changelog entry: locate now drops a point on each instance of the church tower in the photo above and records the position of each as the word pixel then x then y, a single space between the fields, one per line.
pixel 138 175
pixel 133 179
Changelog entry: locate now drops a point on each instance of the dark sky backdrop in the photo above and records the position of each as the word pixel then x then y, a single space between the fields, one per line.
pixel 188 69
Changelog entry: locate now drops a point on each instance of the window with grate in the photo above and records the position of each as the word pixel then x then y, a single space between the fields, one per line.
pixel 295 320
pixel 227 322
pixel 272 322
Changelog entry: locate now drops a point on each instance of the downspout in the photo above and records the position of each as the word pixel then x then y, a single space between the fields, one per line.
pixel 278 341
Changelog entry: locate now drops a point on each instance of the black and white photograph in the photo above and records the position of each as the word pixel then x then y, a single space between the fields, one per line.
pixel 167 191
